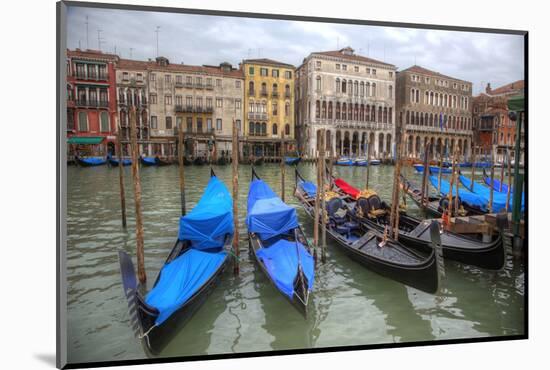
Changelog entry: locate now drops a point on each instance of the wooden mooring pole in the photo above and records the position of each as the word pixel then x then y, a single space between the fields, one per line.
pixel 368 164
pixel 235 171
pixel 473 170
pixel 501 174
pixel 137 198
pixel 323 206
pixel 509 180
pixel 425 173
pixel 181 169
pixel 121 177
pixel 491 188
pixel 317 204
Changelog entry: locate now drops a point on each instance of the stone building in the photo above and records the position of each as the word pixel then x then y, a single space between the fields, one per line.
pixel 203 100
pixel 434 108
pixel 91 100
pixel 491 124
pixel 352 97
pixel 132 91
pixel 269 104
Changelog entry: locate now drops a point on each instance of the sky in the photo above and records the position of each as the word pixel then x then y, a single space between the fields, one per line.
pixel 200 39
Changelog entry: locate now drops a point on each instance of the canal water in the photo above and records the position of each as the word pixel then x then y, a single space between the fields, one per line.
pixel 351 305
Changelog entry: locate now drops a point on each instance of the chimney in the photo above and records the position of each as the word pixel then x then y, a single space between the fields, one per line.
pixel 488 88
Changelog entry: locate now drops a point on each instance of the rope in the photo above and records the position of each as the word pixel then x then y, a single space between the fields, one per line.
pixel 231 253
pixel 147 332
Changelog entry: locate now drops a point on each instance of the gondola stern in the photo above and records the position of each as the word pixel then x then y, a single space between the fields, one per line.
pixel 301 292
pixel 435 235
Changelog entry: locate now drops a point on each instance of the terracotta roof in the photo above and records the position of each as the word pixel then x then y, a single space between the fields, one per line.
pixel 425 71
pixel 267 62
pixel 509 88
pixel 353 57
pixel 91 54
pixel 132 64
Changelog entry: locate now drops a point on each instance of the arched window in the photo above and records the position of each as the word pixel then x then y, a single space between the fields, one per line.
pixel 417 96
pixel 373 114
pixel 318 83
pixel 350 111
pixel 264 128
pixel 413 118
pixel 344 86
pixel 390 92
pixel 324 110
pixel 317 109
pixel 390 115
pixel 407 118
pixel 287 109
pixel 251 87
pixel 368 88
pixel 264 88
pixel 356 88
pixel 287 129
pixel 362 113
pixel 344 111
pixel 373 90
pixel 431 98
pixel 274 129
pixel 337 85
pixel 427 98
pixel 350 87
pixel 337 110
pixel 251 129
pixel 287 91
pixel 385 115
pixel 275 90
pixel 379 114
pixel 329 110
pixel 362 89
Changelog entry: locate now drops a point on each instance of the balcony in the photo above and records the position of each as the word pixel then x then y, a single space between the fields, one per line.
pixel 103 104
pixel 209 87
pixel 179 84
pixel 275 94
pixel 105 77
pixel 251 92
pixel 257 116
pixel 184 109
pixel 263 93
pixel 199 86
pixel 189 85
pixel 287 94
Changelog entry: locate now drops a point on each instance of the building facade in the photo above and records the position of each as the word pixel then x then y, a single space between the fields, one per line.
pixel 352 97
pixel 91 97
pixel 132 91
pixel 269 104
pixel 491 124
pixel 436 109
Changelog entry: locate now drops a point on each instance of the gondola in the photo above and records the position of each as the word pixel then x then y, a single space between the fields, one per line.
pixel 483 192
pixel 148 161
pixel 114 162
pixel 435 205
pixel 496 184
pixel 189 274
pixel 90 161
pixel 414 233
pixel 433 169
pixel 369 247
pixel 361 162
pixel 374 162
pixel 279 245
pixel 292 160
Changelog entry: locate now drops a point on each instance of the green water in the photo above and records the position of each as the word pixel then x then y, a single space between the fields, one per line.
pixel 351 305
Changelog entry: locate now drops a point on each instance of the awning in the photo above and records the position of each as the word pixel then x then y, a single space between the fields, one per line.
pixel 516 103
pixel 89 140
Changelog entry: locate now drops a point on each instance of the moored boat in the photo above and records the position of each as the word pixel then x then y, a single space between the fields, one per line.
pixel 148 161
pixel 278 244
pixel 292 160
pixel 374 162
pixel 361 162
pixel 372 248
pixel 113 161
pixel 415 233
pixel 433 169
pixel 189 274
pixel 90 161
pixel 344 161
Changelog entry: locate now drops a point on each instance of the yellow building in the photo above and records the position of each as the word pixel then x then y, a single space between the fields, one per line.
pixel 269 106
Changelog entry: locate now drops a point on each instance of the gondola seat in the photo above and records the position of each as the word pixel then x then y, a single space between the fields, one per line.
pixel 337 215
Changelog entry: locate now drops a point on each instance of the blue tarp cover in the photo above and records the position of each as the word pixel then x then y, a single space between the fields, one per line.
pixel 150 160
pixel 499 199
pixel 211 219
pixel 281 262
pixel 181 278
pixel 267 214
pixel 309 187
pixel 94 160
pixel 496 185
pixel 466 196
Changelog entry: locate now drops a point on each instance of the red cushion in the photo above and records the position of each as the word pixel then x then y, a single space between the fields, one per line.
pixel 347 188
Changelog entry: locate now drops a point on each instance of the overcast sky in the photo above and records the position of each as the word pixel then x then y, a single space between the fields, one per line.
pixel 200 39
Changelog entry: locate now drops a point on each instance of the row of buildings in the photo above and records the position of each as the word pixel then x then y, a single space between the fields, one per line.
pixel 355 99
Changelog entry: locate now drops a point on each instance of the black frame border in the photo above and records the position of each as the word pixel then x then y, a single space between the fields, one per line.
pixel 61 348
